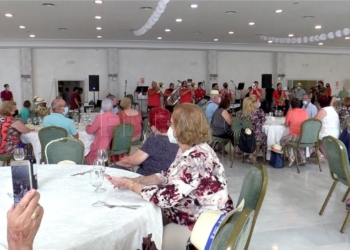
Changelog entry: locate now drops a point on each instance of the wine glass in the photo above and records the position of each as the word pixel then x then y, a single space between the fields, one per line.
pixel 29 121
pixel 102 155
pixel 96 180
pixel 40 120
pixel 18 154
pixel 99 164
pixel 35 120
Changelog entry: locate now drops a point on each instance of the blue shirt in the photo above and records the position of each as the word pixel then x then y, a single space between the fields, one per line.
pixel 311 110
pixel 59 120
pixel 209 111
pixel 25 113
pixel 115 111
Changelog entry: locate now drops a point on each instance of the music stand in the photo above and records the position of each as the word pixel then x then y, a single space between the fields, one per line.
pixel 143 90
pixel 240 88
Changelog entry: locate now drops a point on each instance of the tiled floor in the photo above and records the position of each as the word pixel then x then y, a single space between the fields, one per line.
pixel 289 216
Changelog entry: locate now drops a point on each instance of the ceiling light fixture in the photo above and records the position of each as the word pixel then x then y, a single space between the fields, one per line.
pixel 98 17
pixel 48 4
pixel 159 38
pixel 229 12
pixel 278 11
pixel 194 6
pixel 215 40
pixel 179 20
pixel 251 23
pixel 231 32
pixel 347 38
pixel 197 32
pixel 98 2
pixel 22 27
pixel 98 28
pixel 167 30
pixel 32 35
pixel 62 28
pixel 269 41
pixel 318 27
pixel 320 44
pixel 8 15
pixel 146 8
pixel 291 35
pixel 308 17
pixel 99 36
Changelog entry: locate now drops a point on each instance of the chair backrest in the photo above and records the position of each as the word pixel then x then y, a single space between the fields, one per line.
pixel 346 123
pixel 131 97
pixel 238 124
pixel 235 233
pixel 66 148
pixel 48 134
pixel 253 192
pixel 337 157
pixel 121 142
pixel 310 130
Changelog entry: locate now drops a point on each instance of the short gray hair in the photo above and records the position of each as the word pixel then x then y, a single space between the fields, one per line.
pixel 107 104
pixel 110 96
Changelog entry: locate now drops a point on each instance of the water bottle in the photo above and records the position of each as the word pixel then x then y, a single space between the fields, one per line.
pixel 29 157
pixel 75 117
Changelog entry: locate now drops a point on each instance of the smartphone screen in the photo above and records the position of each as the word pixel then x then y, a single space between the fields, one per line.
pixel 21 179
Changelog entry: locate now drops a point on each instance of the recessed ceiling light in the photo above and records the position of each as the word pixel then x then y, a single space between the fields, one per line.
pixel 308 17
pixel 194 6
pixel 159 38
pixel 215 40
pixel 229 12
pixel 99 36
pixel 320 44
pixel 8 15
pixel 146 8
pixel 270 41
pixel 179 20
pixel 48 4
pixel 231 32
pixel 318 27
pixel 167 30
pixel 22 27
pixel 98 28
pixel 278 11
pixel 251 23
pixel 347 38
pixel 32 35
pixel 62 28
pixel 98 17
pixel 296 3
pixel 197 32
pixel 98 1
pixel 291 35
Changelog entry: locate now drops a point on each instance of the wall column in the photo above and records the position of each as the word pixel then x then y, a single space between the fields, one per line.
pixel 212 68
pixel 26 69
pixel 279 69
pixel 113 69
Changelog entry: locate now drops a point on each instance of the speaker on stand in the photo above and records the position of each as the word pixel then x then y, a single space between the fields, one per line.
pixel 94 84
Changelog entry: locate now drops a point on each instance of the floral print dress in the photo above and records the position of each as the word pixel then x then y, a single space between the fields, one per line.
pixel 194 182
pixel 257 119
pixel 344 112
pixel 9 137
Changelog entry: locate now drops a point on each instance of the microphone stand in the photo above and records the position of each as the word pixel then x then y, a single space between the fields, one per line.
pixel 235 89
pixel 126 83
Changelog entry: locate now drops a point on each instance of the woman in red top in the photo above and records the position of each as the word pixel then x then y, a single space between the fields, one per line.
pixel 131 116
pixel 329 90
pixel 276 96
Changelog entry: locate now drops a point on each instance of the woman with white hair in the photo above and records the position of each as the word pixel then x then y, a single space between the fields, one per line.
pixel 102 128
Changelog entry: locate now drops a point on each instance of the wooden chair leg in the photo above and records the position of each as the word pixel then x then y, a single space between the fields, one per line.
pixel 328 197
pixel 317 159
pixel 233 156
pixel 296 159
pixel 346 221
pixel 346 194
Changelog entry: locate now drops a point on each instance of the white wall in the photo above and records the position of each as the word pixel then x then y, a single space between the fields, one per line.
pixel 244 67
pixel 10 73
pixel 68 64
pixel 329 68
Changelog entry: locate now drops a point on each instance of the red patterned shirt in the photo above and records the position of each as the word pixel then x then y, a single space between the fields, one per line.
pixel 193 183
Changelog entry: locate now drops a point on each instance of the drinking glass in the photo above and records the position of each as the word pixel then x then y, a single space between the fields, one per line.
pixel 99 164
pixel 29 121
pixel 96 180
pixel 18 154
pixel 102 155
pixel 35 120
pixel 40 120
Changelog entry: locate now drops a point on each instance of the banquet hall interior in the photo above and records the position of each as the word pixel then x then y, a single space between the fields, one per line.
pixel 49 46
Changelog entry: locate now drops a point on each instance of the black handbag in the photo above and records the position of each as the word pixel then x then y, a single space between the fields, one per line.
pixel 247 142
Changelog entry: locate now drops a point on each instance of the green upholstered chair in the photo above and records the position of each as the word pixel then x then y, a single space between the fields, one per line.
pixel 310 130
pixel 338 161
pixel 234 235
pixel 6 159
pixel 216 140
pixel 121 142
pixel 66 148
pixel 144 134
pixel 48 134
pixel 236 126
pixel 133 104
pixel 346 123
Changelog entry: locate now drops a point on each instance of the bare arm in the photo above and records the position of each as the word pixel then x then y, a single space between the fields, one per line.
pixel 152 92
pixel 19 126
pixel 321 114
pixel 185 92
pixel 76 101
pixel 228 118
pixel 133 160
pixel 76 136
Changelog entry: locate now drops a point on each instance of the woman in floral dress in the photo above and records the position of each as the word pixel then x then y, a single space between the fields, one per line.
pixel 195 181
pixel 344 111
pixel 252 112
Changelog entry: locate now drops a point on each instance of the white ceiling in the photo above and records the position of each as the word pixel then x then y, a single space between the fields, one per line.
pixel 119 17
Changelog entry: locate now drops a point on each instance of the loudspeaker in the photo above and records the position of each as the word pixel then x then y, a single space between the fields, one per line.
pixel 266 80
pixel 94 83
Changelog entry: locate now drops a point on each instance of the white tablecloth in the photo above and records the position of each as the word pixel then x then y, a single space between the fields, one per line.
pixel 274 131
pixel 33 138
pixel 71 222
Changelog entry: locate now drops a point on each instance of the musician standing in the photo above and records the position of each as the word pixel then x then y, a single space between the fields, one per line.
pixel 256 90
pixel 199 93
pixel 186 93
pixel 168 93
pixel 154 95
pixel 279 97
pixel 225 92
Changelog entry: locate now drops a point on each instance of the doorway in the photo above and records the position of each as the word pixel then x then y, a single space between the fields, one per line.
pixel 307 84
pixel 65 89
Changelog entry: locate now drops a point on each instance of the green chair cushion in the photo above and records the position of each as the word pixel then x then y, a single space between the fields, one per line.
pixel 301 145
pixel 4 157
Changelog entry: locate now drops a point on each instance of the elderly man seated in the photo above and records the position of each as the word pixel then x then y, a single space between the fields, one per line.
pixel 57 118
pixel 308 106
pixel 212 105
pixel 115 101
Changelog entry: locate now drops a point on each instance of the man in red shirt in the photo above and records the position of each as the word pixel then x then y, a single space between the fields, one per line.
pixel 154 94
pixel 256 90
pixel 276 96
pixel 6 95
pixel 74 99
pixel 199 93
pixel 185 93
pixel 168 93
pixel 225 92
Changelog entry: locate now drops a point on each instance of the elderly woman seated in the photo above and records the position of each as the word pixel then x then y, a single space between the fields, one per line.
pixel 344 111
pixel 40 107
pixel 11 128
pixel 25 111
pixel 194 182
pixel 157 153
pixel 221 121
pixel 102 128
pixel 131 116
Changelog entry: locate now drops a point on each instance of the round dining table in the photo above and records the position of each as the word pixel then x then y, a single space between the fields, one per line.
pixel 71 222
pixel 274 129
